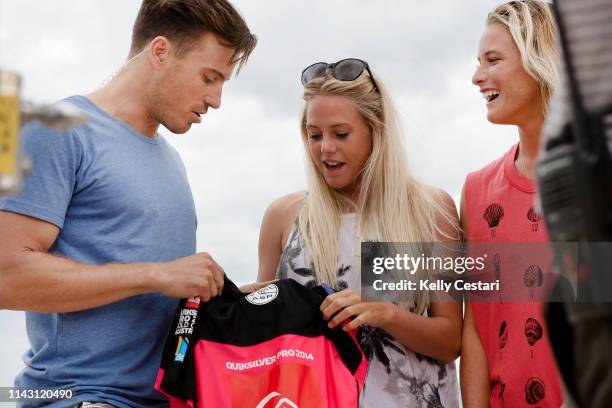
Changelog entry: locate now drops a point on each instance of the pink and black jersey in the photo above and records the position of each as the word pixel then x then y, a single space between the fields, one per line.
pixel 270 348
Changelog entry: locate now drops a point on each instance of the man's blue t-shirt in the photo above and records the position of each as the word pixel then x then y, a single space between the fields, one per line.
pixel 117 197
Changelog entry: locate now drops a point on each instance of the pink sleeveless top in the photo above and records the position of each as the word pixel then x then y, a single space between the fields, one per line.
pixel 522 370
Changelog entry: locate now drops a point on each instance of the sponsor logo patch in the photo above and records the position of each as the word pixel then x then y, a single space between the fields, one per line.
pixel 279 399
pixel 181 349
pixel 193 302
pixel 286 385
pixel 263 295
pixel 187 319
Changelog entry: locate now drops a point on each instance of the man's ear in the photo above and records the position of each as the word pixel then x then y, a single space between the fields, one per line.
pixel 159 51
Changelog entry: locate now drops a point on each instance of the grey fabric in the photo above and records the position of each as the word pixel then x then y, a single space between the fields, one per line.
pixel 581 333
pixel 588 26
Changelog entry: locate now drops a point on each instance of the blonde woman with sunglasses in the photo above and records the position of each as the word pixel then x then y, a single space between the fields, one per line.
pixel 360 188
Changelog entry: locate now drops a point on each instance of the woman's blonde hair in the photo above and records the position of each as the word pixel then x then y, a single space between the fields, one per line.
pixel 391 205
pixel 534 30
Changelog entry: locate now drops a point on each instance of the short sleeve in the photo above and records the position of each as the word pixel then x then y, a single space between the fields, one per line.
pixel 48 188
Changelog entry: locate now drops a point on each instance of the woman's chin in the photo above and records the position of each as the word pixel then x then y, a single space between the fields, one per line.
pixel 340 188
pixel 336 186
pixel 498 119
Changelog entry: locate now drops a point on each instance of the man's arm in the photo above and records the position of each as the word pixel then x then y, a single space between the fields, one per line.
pixel 33 280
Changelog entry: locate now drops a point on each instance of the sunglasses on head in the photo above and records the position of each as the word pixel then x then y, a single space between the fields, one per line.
pixel 344 70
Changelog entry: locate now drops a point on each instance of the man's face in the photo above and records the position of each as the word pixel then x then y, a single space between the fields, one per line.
pixel 188 85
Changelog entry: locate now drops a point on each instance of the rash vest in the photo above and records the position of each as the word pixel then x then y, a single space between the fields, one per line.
pixel 271 348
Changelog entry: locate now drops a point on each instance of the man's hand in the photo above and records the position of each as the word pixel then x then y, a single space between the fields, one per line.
pixel 196 275
pixel 252 287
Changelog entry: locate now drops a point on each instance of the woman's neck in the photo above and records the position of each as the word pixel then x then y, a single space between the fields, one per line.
pixel 529 146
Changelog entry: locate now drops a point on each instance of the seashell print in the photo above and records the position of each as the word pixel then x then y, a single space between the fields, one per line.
pixel 497 272
pixel 533 331
pixel 493 215
pixel 497 265
pixel 503 334
pixel 534 217
pixel 535 391
pixel 497 381
pixel 533 276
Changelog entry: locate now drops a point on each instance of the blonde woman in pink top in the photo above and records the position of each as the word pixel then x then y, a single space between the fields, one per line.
pixel 506 359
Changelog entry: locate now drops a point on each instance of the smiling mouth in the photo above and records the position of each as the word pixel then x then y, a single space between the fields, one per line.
pixel 198 116
pixel 332 166
pixel 490 96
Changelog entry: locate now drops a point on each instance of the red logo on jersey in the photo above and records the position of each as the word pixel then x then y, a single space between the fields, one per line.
pixel 287 385
pixel 193 303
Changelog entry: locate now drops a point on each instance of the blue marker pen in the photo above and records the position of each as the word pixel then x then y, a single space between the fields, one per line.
pixel 328 289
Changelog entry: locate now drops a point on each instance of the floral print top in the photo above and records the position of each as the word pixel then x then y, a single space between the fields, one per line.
pixel 397 376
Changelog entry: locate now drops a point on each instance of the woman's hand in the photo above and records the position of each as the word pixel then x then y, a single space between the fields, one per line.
pixel 347 304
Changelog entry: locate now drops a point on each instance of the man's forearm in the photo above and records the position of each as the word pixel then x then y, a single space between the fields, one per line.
pixel 41 282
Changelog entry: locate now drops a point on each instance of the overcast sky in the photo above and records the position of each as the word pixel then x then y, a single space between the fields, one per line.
pixel 249 152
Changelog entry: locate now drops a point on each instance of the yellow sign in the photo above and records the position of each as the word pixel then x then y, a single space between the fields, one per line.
pixel 9 134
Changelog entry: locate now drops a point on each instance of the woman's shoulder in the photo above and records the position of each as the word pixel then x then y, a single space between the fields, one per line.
pixel 277 223
pixel 446 217
pixel 285 209
pixel 440 197
pixel 287 203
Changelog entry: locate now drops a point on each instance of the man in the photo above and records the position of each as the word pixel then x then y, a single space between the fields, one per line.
pixel 100 244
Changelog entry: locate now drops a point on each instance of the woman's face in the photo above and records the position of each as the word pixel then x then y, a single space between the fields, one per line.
pixel 512 96
pixel 339 140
